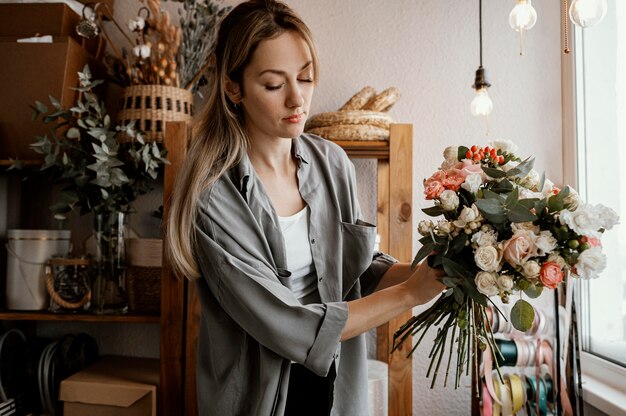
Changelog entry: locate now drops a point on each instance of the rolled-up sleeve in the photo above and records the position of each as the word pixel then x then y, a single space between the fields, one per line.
pixel 250 293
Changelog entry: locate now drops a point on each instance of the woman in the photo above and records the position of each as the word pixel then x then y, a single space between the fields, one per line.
pixel 266 219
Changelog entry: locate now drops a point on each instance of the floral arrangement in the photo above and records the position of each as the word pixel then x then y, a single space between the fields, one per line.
pixel 162 53
pixel 101 173
pixel 505 231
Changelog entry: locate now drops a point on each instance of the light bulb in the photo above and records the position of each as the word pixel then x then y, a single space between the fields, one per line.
pixel 586 13
pixel 523 16
pixel 481 104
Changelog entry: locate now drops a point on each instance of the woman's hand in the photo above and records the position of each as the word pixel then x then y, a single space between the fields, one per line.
pixel 424 283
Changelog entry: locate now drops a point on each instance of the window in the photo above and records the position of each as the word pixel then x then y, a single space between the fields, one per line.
pixel 595 160
pixel 600 62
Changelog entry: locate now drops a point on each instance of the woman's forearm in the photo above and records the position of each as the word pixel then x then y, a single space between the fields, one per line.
pixel 376 309
pixel 395 275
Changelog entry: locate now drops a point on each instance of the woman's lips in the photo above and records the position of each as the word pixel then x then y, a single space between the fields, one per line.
pixel 295 119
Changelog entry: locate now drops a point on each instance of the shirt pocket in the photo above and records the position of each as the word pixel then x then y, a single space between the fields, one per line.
pixel 357 250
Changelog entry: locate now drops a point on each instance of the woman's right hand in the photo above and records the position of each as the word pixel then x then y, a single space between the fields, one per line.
pixel 424 283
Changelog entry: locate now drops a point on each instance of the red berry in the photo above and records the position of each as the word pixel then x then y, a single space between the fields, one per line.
pixel 474 148
pixel 469 154
pixel 477 157
pixel 493 153
pixel 482 155
pixel 501 160
pixel 486 149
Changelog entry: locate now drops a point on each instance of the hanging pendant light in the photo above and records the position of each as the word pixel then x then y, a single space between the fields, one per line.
pixel 523 17
pixel 586 13
pixel 481 104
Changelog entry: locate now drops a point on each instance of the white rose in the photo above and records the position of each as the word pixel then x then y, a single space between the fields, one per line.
pixel 484 238
pixel 583 221
pixel 590 263
pixel 555 258
pixel 505 283
pixel 608 217
pixel 545 243
pixel 531 269
pixel 525 226
pixel 504 145
pixel 487 258
pixel 444 227
pixel 486 283
pixel 450 155
pixel 425 227
pixel 449 200
pixel 472 183
pixel 468 215
pixel 531 181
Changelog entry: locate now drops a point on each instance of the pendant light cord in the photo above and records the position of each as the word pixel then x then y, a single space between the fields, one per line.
pixel 480 29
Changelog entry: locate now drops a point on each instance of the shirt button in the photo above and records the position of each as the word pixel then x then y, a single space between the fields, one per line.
pixel 320 279
pixel 312 241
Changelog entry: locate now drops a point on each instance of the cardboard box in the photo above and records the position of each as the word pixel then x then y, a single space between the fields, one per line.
pixel 31 72
pixel 55 19
pixel 114 386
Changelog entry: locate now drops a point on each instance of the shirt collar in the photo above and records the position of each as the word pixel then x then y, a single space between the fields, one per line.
pixel 244 167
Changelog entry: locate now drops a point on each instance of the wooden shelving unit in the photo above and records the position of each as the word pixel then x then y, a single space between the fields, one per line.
pixel 48 316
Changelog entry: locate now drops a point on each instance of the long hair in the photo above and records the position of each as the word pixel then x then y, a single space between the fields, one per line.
pixel 219 135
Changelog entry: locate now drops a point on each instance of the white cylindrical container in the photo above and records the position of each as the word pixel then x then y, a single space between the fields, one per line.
pixel 27 254
pixel 377 381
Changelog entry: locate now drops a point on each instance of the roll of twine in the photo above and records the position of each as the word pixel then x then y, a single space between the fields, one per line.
pixel 358 100
pixel 54 295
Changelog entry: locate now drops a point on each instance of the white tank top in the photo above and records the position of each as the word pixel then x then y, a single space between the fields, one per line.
pixel 298 249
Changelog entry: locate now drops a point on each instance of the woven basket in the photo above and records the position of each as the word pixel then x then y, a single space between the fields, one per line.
pixel 356 132
pixel 144 257
pixel 151 106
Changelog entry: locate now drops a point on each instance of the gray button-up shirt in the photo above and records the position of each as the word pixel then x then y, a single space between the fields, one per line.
pixel 252 325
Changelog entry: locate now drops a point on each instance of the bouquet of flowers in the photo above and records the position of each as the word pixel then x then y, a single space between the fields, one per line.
pixel 506 230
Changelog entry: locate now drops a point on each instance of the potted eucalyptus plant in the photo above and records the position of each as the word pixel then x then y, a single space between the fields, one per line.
pixel 104 167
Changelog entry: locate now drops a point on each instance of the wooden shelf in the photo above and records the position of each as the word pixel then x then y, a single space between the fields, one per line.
pixel 83 317
pixel 9 162
pixel 371 149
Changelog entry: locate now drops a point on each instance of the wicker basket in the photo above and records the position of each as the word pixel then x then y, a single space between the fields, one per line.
pixel 151 106
pixel 144 257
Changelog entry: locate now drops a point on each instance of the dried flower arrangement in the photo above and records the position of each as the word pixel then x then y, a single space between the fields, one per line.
pixel 159 52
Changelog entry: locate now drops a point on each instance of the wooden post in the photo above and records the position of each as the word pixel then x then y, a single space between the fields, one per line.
pixel 395 193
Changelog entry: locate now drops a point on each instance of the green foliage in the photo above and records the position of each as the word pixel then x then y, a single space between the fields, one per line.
pixel 522 315
pixel 83 152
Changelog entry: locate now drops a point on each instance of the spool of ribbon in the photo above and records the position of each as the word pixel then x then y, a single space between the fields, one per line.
pixel 509 353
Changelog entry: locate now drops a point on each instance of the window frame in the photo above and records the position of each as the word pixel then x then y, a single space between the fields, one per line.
pixel 602 380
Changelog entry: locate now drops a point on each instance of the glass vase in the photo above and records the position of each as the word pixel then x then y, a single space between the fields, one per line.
pixel 109 284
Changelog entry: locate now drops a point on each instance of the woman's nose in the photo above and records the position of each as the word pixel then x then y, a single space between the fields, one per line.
pixel 295 97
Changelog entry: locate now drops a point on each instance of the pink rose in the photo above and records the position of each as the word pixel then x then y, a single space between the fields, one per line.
pixel 453 182
pixel 465 168
pixel 436 177
pixel 519 248
pixel 433 190
pixel 550 275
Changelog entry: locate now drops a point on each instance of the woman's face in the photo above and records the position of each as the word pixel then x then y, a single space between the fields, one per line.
pixel 277 88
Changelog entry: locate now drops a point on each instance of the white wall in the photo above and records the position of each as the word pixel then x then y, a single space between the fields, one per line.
pixel 429 49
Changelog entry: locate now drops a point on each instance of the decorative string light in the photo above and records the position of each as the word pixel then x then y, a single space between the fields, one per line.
pixel 586 13
pixel 522 17
pixel 481 104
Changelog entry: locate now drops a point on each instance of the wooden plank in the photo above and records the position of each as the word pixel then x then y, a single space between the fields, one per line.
pixel 172 288
pixel 382 339
pixel 71 317
pixel 400 246
pixel 378 149
pixel 192 327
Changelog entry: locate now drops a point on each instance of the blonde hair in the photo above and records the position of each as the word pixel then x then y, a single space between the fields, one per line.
pixel 219 137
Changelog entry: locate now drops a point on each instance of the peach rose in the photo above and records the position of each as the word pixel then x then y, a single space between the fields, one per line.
pixel 519 248
pixel 453 182
pixel 550 275
pixel 435 177
pixel 465 168
pixel 433 190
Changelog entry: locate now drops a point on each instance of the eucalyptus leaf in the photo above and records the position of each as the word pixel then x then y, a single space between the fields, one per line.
pixel 459 296
pixel 454 269
pixel 522 169
pixel 450 281
pixel 435 211
pixel 494 173
pixel 522 315
pixel 462 152
pixel 520 213
pixel 542 181
pixel 73 133
pixel 490 206
pixel 512 198
pixel 471 291
pixel 422 254
pixel 534 291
